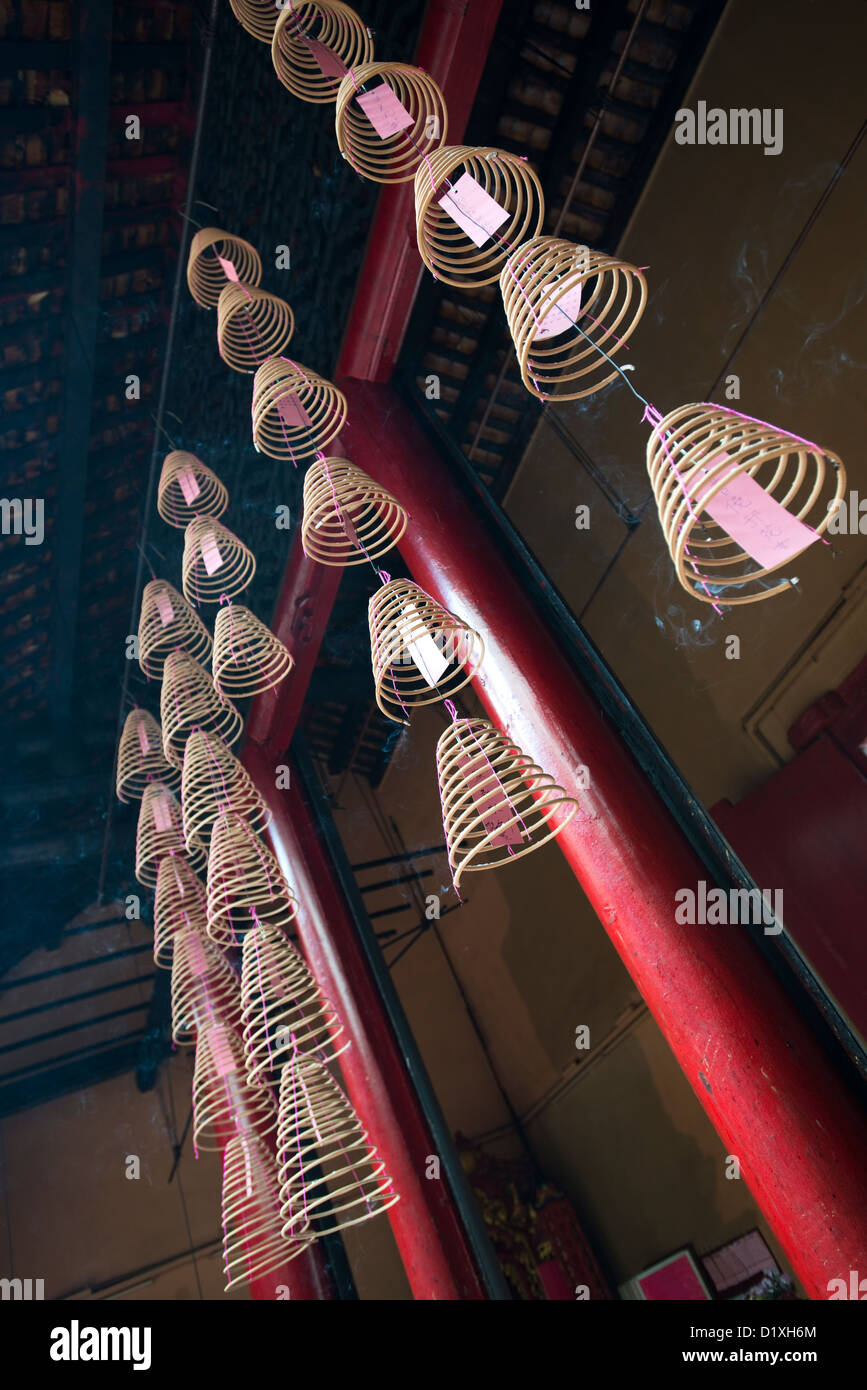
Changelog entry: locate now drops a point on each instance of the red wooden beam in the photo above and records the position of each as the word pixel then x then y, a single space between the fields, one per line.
pixel 757 1069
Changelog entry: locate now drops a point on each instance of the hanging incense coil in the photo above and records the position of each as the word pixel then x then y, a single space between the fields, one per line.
pixel 421 652
pixel 168 622
pixel 204 988
pixel 179 905
pixel 253 1240
pixel 295 411
pixel 248 658
pixel 497 803
pixel 160 833
pixel 314 43
pixel 251 325
pixel 208 276
pixel 187 489
pixel 348 518
pixel 214 781
pixel 329 1171
pixel 215 562
pixel 283 1009
pixel 704 459
pixel 568 307
pixel 189 701
pixel 140 758
pixel 258 17
pixel 393 158
pixel 223 1098
pixel 447 248
pixel 245 883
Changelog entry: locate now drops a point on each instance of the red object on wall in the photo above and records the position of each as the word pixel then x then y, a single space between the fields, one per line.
pixel 763 1079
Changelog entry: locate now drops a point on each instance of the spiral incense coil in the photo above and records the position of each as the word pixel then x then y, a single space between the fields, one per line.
pixel 248 658
pixel 295 411
pixel 245 883
pixel 189 701
pixel 140 759
pixel 167 622
pixel 329 1171
pixel 214 781
pixel 497 804
pixel 304 29
pixel 251 325
pixel 204 988
pixel 207 277
pixel 391 158
pixel 187 489
pixel 160 833
pixel 283 1009
pixel 253 1240
pixel 222 1096
pixel 710 468
pixel 421 652
pixel 179 905
pixel 568 307
pixel 215 562
pixel 258 17
pixel 348 518
pixel 451 251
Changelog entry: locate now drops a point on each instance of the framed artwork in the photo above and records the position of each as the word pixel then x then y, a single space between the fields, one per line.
pixel 677 1278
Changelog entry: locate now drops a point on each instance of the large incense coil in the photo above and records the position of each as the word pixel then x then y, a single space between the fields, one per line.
pixel 252 324
pixel 304 25
pixel 209 546
pixel 214 781
pixel 696 452
pixel 284 1010
pixel 167 622
pixel 223 1099
pixel 204 988
pixel 160 833
pixel 206 277
pixel 248 658
pixel 253 1240
pixel 498 805
pixel 446 248
pixel 329 1170
pixel 403 622
pixel 348 518
pixel 296 412
pixel 245 883
pixel 539 283
pixel 258 17
pixel 189 701
pixel 188 488
pixel 179 905
pixel 395 158
pixel 140 758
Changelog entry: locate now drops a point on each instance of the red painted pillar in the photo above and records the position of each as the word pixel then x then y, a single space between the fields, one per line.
pixel 765 1083
pixel 425 1222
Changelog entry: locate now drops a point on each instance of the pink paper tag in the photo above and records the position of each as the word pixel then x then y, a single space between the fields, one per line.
pixel 164 608
pixel 143 743
pixel 221 1052
pixel 755 520
pixel 493 815
pixel 195 953
pixel 349 530
pixel 293 414
pixel 328 61
pixel 385 111
pixel 229 270
pixel 211 557
pixel 557 318
pixel 162 812
pixel 189 484
pixel 474 210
